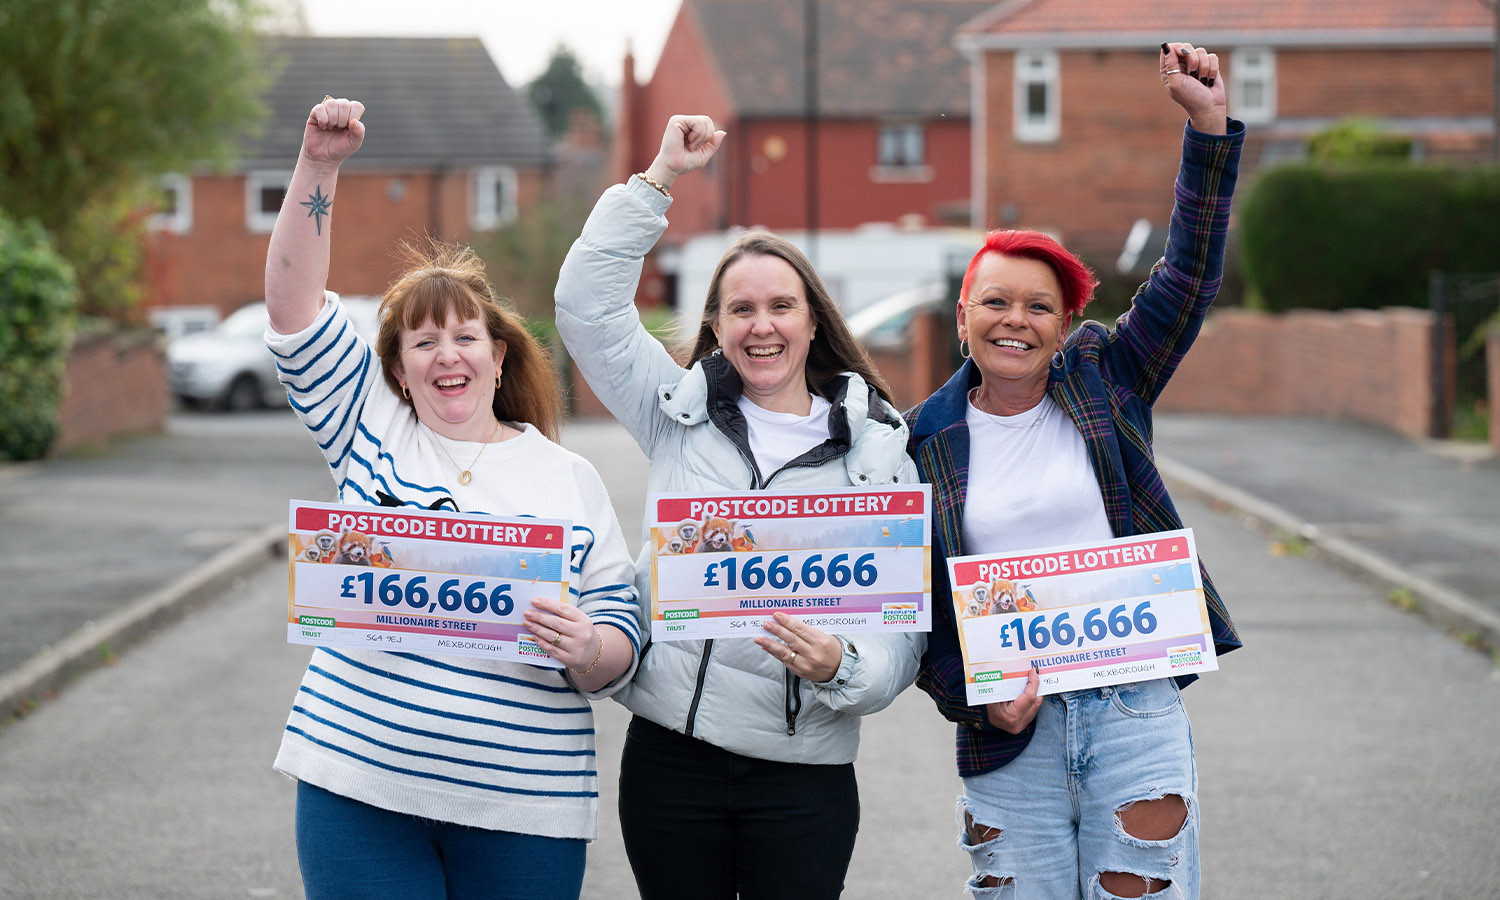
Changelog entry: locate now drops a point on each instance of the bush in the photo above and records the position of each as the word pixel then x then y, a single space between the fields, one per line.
pixel 36 332
pixel 1357 139
pixel 1366 234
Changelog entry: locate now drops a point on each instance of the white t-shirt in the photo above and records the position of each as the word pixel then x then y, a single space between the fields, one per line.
pixel 1031 484
pixel 778 438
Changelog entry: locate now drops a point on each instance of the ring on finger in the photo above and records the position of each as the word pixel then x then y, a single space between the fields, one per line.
pixel 1172 72
pixel 556 638
pixel 791 658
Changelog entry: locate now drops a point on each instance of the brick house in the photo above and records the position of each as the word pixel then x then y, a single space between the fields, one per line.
pixel 1078 140
pixel 452 150
pixel 891 131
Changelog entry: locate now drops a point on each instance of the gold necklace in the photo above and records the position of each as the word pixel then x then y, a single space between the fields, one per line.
pixel 1000 420
pixel 464 475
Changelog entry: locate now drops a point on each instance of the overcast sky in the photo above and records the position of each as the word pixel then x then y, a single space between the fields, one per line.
pixel 520 34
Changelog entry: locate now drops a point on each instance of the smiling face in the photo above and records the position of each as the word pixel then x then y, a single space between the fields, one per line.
pixel 1013 320
pixel 765 329
pixel 450 371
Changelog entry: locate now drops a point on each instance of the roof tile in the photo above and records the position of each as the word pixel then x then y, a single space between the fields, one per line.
pixel 1186 17
pixel 876 57
pixel 429 102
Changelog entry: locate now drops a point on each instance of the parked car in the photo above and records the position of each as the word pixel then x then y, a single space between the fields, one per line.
pixel 886 323
pixel 229 367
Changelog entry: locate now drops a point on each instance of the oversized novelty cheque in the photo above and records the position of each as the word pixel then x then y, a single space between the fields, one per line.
pixel 1089 615
pixel 418 581
pixel 842 560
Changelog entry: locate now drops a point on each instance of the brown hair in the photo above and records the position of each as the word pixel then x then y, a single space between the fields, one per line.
pixel 448 279
pixel 834 350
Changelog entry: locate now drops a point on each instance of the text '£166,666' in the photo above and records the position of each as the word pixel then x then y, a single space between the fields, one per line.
pixel 395 589
pixel 752 574
pixel 1044 630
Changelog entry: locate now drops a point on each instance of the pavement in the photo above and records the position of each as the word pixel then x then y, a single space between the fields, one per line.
pixel 99 551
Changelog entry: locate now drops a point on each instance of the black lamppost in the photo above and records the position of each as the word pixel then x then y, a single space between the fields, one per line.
pixel 810 126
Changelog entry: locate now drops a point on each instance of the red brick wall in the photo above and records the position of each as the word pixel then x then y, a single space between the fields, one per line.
pixel 771 192
pixel 747 186
pixel 685 82
pixel 1372 366
pixel 115 384
pixel 219 262
pixel 1368 365
pixel 1117 151
pixel 1383 82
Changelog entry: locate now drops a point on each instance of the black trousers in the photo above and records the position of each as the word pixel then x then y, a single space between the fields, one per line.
pixel 700 822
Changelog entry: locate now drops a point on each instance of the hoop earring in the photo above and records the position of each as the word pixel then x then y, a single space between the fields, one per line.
pixel 405 393
pixel 497 381
pixel 963 348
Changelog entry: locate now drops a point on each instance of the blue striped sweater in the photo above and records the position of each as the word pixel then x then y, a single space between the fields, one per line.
pixel 497 745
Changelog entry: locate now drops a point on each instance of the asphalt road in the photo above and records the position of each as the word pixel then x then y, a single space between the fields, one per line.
pixel 1348 751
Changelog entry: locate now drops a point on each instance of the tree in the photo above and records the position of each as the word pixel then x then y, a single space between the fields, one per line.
pixel 97 97
pixel 560 90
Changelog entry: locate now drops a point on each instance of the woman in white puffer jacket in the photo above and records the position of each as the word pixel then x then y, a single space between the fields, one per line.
pixel 739 750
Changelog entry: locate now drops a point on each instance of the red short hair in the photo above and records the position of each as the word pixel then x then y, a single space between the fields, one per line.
pixel 1077 280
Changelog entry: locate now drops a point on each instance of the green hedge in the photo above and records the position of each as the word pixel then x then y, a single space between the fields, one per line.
pixel 37 300
pixel 1365 235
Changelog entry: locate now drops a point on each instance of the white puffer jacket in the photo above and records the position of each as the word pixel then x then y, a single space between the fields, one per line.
pixel 728 692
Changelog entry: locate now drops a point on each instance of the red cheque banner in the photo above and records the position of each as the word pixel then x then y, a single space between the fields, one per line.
pixel 420 581
pixel 1088 615
pixel 843 561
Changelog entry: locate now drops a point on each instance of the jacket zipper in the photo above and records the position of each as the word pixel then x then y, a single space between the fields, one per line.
pixel 793 700
pixel 708 649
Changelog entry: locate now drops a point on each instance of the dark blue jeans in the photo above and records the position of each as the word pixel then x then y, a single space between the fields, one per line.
pixel 703 823
pixel 348 849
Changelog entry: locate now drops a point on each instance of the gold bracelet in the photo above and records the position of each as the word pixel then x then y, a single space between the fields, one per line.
pixel 654 183
pixel 597 656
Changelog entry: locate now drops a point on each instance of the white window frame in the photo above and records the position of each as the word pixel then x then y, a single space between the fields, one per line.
pixel 1037 67
pixel 902 130
pixel 483 215
pixel 257 220
pixel 908 171
pixel 1247 66
pixel 180 219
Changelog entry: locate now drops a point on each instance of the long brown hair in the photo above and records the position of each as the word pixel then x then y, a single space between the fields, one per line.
pixel 443 280
pixel 834 350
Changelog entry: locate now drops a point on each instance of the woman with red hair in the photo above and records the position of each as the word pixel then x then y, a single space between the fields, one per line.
pixel 1090 792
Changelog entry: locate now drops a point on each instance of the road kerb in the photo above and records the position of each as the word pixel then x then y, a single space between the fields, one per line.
pixel 1439 603
pixel 50 668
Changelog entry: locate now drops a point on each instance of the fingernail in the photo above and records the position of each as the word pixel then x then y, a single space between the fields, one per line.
pixel 1210 82
pixel 1164 46
pixel 1206 82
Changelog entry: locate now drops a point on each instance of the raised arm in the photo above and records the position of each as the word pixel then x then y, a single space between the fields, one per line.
pixel 297 261
pixel 596 315
pixel 1149 341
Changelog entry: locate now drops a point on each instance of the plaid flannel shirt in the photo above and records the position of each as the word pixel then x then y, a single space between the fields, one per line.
pixel 1106 379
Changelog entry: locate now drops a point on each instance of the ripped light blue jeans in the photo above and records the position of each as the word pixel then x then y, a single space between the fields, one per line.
pixel 1047 824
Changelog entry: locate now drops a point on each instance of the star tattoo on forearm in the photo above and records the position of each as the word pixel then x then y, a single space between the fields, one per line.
pixel 318 206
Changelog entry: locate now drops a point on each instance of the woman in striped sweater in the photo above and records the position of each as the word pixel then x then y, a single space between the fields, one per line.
pixel 441 777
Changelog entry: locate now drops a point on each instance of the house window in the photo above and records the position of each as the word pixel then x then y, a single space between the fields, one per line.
pixel 1253 81
pixel 494 200
pixel 1036 96
pixel 901 145
pixel 174 204
pixel 264 193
